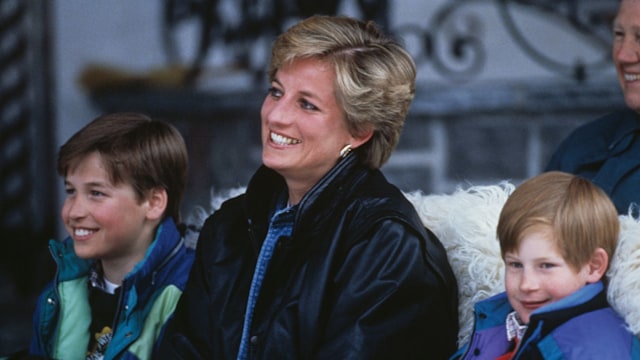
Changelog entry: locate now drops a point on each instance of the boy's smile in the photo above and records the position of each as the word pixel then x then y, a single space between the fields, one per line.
pixel 537 274
pixel 106 221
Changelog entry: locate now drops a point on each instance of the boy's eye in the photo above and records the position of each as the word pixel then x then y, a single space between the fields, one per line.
pixel 96 193
pixel 547 265
pixel 70 191
pixel 514 264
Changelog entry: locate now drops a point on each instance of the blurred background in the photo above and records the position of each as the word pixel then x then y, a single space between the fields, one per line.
pixel 500 84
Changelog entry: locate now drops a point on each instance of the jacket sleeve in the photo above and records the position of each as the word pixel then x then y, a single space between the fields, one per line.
pixel 185 336
pixel 391 300
pixel 39 342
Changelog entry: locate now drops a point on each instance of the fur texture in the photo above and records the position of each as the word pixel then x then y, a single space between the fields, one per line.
pixel 466 221
pixel 197 216
pixel 624 274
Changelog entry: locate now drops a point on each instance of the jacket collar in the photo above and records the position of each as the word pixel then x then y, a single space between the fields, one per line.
pixel 267 186
pixel 542 322
pixel 166 244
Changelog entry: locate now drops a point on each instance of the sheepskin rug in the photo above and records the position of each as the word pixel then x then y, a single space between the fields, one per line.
pixel 466 221
pixel 624 274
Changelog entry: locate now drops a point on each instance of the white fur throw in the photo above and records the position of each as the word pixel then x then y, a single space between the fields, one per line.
pixel 465 221
pixel 624 274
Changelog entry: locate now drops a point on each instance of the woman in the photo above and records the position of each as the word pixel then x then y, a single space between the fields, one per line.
pixel 322 257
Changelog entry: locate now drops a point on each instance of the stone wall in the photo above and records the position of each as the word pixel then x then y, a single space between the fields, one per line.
pixel 484 134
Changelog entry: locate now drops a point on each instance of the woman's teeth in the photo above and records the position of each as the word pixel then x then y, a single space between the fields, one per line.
pixel 283 140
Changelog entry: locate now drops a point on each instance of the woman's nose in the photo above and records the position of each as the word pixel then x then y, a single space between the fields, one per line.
pixel 277 112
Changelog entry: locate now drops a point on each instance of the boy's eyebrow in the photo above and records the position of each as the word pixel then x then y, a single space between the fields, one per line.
pixel 89 184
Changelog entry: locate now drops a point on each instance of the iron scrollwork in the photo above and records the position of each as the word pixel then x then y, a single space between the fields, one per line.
pixel 451 42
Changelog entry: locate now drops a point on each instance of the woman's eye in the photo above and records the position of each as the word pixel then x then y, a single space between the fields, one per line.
pixel 307 105
pixel 274 92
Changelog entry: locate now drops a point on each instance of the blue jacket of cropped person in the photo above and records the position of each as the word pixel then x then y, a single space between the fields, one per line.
pixel 148 298
pixel 579 326
pixel 607 152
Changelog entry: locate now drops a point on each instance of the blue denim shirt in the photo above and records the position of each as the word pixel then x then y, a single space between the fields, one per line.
pixel 281 225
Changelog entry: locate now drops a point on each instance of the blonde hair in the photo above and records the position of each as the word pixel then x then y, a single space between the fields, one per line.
pixel 580 215
pixel 375 76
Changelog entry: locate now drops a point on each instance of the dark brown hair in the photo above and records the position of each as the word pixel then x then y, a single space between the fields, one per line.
pixel 136 150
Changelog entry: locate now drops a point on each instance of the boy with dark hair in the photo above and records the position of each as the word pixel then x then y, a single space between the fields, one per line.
pixel 125 264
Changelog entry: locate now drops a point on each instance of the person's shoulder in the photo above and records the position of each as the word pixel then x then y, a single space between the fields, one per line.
pixel 226 205
pixel 600 127
pixel 601 331
pixel 605 324
pixel 605 126
pixel 376 192
pixel 592 140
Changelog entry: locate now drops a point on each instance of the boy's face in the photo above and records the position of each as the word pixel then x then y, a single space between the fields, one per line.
pixel 105 221
pixel 537 274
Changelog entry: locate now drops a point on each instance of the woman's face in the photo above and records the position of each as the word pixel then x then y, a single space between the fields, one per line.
pixel 303 126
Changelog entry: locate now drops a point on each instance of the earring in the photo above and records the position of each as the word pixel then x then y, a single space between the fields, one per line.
pixel 345 150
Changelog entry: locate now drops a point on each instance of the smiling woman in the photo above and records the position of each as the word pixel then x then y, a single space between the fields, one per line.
pixel 321 257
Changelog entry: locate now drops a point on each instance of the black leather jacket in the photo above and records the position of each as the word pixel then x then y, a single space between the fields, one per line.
pixel 360 277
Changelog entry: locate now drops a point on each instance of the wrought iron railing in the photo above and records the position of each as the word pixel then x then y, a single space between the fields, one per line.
pixel 447 40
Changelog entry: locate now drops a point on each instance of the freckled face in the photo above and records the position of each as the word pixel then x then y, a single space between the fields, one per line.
pixel 626 51
pixel 105 221
pixel 303 127
pixel 537 274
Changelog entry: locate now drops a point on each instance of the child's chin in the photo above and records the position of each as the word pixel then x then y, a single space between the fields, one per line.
pixel 83 253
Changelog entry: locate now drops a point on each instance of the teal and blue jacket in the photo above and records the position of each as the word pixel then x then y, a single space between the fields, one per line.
pixel 147 300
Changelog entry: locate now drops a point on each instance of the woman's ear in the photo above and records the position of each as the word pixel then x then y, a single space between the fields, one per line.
pixel 361 138
pixel 157 200
pixel 597 265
